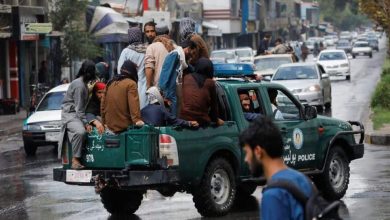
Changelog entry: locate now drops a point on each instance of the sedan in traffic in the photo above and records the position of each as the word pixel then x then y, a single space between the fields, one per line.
pixel 228 55
pixel 266 65
pixel 308 82
pixel 361 48
pixel 335 63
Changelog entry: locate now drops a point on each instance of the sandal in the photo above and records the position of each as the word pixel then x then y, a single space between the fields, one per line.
pixel 77 166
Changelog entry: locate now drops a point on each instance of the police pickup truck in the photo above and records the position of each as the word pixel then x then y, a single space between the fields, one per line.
pixel 208 162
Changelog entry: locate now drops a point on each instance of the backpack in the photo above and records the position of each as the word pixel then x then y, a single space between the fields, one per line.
pixel 315 206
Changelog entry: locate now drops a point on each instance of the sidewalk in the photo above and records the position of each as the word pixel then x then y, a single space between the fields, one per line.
pixel 378 137
pixel 11 124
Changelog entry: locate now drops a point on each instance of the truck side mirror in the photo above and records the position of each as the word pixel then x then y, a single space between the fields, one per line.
pixel 310 112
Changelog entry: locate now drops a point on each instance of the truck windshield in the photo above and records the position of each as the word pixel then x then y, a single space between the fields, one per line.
pixel 52 101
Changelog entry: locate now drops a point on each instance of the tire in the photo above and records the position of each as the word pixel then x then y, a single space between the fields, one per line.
pixel 217 191
pixel 353 56
pixel 328 105
pixel 121 202
pixel 370 55
pixel 30 148
pixel 320 108
pixel 348 77
pixel 333 182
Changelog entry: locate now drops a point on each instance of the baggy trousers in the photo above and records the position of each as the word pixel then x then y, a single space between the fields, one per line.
pixel 77 135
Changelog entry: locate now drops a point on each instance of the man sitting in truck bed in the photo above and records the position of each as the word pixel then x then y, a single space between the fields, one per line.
pixel 156 114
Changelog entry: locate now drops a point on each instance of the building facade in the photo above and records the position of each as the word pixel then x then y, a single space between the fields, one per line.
pixel 23 53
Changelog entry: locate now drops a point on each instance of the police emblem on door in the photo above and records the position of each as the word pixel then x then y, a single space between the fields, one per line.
pixel 297 138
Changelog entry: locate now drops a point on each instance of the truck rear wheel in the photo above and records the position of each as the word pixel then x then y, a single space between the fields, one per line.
pixel 217 191
pixel 333 182
pixel 121 202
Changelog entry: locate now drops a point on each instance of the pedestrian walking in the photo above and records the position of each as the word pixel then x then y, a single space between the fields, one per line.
pixel 264 44
pixel 316 49
pixel 263 147
pixel 305 52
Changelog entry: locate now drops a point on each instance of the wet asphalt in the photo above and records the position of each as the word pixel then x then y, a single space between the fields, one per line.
pixel 28 192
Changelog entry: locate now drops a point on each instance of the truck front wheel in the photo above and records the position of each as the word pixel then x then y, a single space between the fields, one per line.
pixel 333 182
pixel 121 202
pixel 216 193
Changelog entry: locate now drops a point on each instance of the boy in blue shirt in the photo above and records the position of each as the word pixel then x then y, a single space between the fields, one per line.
pixel 263 147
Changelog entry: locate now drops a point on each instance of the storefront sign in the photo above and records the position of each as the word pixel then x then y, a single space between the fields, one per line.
pixel 24 15
pixel 37 28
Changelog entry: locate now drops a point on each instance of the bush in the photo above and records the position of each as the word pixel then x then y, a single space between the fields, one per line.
pixel 381 97
pixel 386 68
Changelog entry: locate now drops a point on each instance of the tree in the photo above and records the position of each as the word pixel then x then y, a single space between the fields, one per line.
pixel 68 17
pixel 344 15
pixel 379 11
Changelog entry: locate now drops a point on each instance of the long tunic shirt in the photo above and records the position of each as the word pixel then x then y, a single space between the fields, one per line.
pixel 75 101
pixel 120 106
pixel 139 59
pixel 199 104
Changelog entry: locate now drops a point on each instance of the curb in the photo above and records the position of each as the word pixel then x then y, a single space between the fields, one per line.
pixel 374 137
pixel 377 139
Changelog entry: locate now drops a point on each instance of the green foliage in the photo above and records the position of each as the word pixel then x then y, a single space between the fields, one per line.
pixel 68 17
pixel 380 117
pixel 381 97
pixel 344 15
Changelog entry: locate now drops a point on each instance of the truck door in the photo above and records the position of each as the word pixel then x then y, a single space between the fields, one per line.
pixel 300 136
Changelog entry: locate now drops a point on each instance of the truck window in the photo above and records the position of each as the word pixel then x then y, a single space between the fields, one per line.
pixel 249 100
pixel 223 106
pixel 283 108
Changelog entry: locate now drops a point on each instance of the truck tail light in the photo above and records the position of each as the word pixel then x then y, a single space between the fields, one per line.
pixel 64 157
pixel 168 149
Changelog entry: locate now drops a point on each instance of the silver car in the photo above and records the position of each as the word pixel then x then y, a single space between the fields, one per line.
pixel 308 82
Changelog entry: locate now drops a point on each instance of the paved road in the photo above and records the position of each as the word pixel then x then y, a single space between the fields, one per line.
pixel 28 192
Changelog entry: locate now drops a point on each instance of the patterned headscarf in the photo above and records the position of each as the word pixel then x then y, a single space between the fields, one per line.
pixel 135 35
pixel 154 96
pixel 186 28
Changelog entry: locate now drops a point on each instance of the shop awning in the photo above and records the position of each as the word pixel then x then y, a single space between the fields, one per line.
pixel 106 24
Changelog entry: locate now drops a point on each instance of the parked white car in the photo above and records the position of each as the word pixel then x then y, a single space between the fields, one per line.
pixel 308 82
pixel 361 48
pixel 43 126
pixel 335 63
